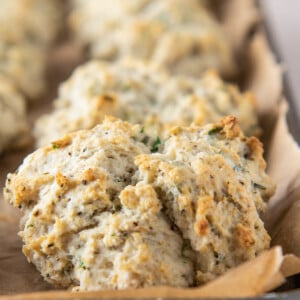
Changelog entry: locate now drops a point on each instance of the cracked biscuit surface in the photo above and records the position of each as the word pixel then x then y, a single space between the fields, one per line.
pixel 103 210
pixel 213 185
pixel 141 93
pixel 85 225
pixel 180 35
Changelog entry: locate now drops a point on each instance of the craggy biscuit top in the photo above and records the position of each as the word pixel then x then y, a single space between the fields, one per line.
pixel 104 208
pixel 213 185
pixel 87 223
pixel 180 35
pixel 141 93
pixel 14 126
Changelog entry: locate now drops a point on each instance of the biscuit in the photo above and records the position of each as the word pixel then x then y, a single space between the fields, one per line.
pixel 89 227
pixel 179 35
pixel 25 65
pixel 34 21
pixel 27 30
pixel 213 184
pixel 141 93
pixel 104 210
pixel 14 126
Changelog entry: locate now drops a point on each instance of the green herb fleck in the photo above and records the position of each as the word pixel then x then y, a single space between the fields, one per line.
pixel 214 130
pixel 30 226
pixel 118 207
pixel 185 260
pixel 145 140
pixel 178 187
pixel 258 186
pixel 126 86
pixel 126 116
pixel 239 168
pixel 219 257
pixel 142 130
pixel 82 265
pixel 155 145
pixel 55 146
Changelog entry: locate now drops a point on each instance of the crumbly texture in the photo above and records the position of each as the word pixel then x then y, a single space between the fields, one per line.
pixel 85 225
pixel 179 35
pixel 102 210
pixel 140 93
pixel 213 186
pixel 14 126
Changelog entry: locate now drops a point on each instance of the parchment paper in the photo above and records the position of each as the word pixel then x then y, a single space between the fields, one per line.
pixel 265 267
pixel 253 278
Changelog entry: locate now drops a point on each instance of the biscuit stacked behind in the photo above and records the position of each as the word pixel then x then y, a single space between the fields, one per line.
pixel 103 212
pixel 179 35
pixel 27 28
pixel 33 21
pixel 139 93
pixel 14 127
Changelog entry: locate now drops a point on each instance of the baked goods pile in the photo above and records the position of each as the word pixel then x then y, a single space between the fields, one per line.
pixel 148 171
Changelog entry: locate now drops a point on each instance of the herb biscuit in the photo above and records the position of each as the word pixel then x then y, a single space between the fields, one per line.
pixel 179 35
pixel 103 209
pixel 141 93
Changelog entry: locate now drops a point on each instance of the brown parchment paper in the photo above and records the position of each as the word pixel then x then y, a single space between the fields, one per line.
pixel 238 19
pixel 284 167
pixel 262 274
